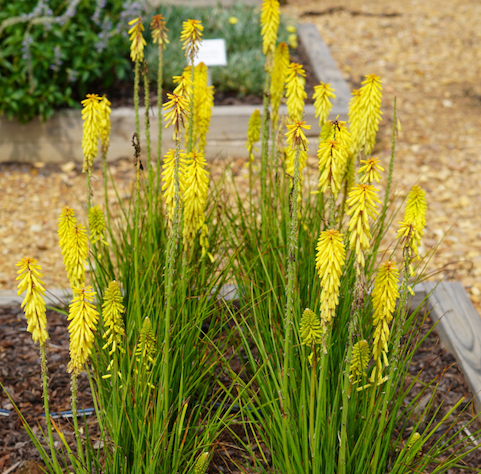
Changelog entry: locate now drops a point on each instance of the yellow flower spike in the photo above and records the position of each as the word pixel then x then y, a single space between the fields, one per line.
pixel 202 463
pixel 354 115
pixel 191 36
pixel 331 166
pixel 369 172
pixel 384 297
pixel 137 40
pixel 91 129
pixel 146 349
pixel 184 82
pixel 159 31
pixel 104 116
pixel 295 93
pixel 292 40
pixel 330 258
pixel 33 303
pixel 112 311
pixel 311 329
pixel 362 204
pixel 97 225
pixel 203 104
pixel 270 15
pixel 278 78
pixel 83 319
pixel 295 135
pixel 291 29
pixel 195 197
pixel 168 187
pixel 411 229
pixel 359 361
pixel 76 255
pixel 322 103
pixel 233 20
pixel 253 133
pixel 178 113
pixel 66 222
pixel 369 114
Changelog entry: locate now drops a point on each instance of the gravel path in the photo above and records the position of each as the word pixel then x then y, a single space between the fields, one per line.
pixel 428 56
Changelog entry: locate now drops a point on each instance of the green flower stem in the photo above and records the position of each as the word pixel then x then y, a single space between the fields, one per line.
pixel 290 291
pixel 147 137
pixel 107 212
pixel 159 114
pixel 332 206
pixel 312 399
pixel 89 192
pixel 136 97
pixel 190 144
pixel 74 388
pixel 169 286
pixel 43 358
pixel 264 155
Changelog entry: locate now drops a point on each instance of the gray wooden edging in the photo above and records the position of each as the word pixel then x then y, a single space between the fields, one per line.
pixel 59 140
pixel 458 326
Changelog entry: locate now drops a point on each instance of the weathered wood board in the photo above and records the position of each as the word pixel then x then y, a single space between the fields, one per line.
pixel 459 328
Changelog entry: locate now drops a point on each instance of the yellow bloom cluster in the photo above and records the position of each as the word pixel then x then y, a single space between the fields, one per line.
pixel 191 35
pixel 146 350
pixel 364 120
pixel 384 297
pixel 359 361
pixel 97 225
pixel 104 116
pixel 295 135
pixel 83 317
pixel 362 204
pixel 322 104
pixel 91 116
pixel 253 133
pixel 311 329
pixel 137 40
pixel 411 228
pixel 159 31
pixel 195 196
pixel 330 258
pixel 184 87
pixel 278 79
pixel 76 255
pixel 203 104
pixel 66 223
pixel 168 188
pixel 178 113
pixel 331 166
pixel 33 303
pixel 295 93
pixel 202 463
pixel 270 15
pixel 369 172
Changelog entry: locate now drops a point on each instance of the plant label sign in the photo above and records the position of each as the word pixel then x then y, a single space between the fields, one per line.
pixel 212 52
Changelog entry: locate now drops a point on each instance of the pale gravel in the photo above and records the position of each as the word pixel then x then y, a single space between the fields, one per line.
pixel 428 57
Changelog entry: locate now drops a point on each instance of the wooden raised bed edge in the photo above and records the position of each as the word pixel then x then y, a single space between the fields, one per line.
pixel 60 139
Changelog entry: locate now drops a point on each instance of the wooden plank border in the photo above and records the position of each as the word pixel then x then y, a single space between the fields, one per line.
pixel 458 326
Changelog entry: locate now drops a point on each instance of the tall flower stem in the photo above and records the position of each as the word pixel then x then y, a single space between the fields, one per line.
pixel 264 155
pixel 290 291
pixel 312 405
pixel 43 358
pixel 74 388
pixel 169 287
pixel 147 138
pixel 136 249
pixel 159 113
pixel 190 144
pixel 136 97
pixel 106 195
pixel 89 192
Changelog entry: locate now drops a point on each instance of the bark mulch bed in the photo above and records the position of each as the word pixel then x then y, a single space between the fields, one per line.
pixel 20 374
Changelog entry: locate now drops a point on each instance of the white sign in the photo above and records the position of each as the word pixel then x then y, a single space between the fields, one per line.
pixel 212 52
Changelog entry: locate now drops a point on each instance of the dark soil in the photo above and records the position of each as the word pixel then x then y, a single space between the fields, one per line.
pixel 20 374
pixel 121 93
